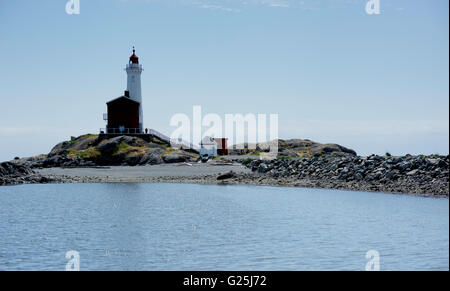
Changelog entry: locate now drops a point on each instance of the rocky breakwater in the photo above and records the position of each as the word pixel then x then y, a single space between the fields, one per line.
pixel 424 175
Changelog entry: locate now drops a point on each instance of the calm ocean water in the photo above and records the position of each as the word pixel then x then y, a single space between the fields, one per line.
pixel 198 227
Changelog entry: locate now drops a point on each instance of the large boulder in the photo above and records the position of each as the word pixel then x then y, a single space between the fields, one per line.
pixel 152 157
pixel 133 159
pixel 226 176
pixel 180 156
pixel 171 158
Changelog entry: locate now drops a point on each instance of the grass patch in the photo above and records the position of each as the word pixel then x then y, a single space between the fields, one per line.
pixel 88 154
pixel 122 148
pixel 159 142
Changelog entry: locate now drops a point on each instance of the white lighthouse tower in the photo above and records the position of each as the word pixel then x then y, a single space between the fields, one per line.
pixel 134 70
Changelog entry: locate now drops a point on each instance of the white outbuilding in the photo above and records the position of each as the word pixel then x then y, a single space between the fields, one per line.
pixel 208 146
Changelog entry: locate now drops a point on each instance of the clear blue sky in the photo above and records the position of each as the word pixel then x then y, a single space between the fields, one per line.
pixel 374 83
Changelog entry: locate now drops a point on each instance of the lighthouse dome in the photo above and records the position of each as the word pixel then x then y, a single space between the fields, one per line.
pixel 134 59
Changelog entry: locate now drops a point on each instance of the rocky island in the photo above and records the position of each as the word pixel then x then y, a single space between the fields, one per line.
pixel 300 163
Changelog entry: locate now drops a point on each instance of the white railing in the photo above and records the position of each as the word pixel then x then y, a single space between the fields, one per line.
pixel 134 66
pixel 121 130
pixel 159 135
pixel 173 142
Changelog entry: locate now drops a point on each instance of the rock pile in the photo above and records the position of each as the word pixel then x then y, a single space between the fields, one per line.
pixel 13 174
pixel 413 174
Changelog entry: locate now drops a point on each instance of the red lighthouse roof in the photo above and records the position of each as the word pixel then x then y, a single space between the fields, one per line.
pixel 134 59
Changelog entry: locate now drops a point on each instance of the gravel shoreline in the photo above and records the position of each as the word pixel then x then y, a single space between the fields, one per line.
pixel 246 179
pixel 256 172
pixel 235 174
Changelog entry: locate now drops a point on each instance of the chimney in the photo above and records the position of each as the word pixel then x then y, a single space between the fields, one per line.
pixel 127 94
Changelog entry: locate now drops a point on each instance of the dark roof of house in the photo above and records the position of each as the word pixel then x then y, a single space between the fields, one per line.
pixel 122 97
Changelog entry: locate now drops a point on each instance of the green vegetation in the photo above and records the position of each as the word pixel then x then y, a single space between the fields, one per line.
pixel 122 148
pixel 127 151
pixel 88 154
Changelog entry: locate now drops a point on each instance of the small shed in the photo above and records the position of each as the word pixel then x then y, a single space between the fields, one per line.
pixel 222 147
